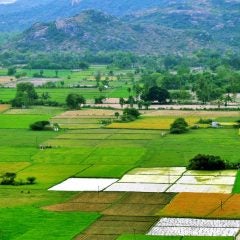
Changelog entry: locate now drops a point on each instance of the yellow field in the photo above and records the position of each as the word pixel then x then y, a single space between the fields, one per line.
pixel 152 123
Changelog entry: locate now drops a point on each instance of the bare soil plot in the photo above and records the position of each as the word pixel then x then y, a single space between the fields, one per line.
pixel 110 227
pixel 88 113
pixel 88 202
pixel 148 198
pixel 133 209
pixel 6 79
pixel 37 82
pixel 116 204
pixel 4 107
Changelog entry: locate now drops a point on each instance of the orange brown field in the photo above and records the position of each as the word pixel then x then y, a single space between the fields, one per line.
pixel 230 209
pixel 4 107
pixel 6 79
pixel 194 204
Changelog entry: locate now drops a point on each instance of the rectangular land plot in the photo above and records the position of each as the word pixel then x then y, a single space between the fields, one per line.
pixel 194 204
pixel 116 225
pixel 175 171
pixel 115 171
pixel 225 173
pixel 83 184
pixel 200 188
pixel 195 227
pixel 207 180
pixel 137 187
pixel 49 174
pixel 149 179
pixel 230 209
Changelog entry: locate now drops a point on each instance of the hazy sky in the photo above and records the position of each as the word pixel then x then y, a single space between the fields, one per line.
pixel 7 1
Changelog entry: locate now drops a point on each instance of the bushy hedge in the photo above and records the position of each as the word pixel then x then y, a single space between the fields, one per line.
pixel 39 125
pixel 210 162
pixel 179 126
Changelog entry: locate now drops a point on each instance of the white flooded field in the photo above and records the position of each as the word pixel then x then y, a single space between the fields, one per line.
pixel 195 227
pixel 83 184
pixel 156 180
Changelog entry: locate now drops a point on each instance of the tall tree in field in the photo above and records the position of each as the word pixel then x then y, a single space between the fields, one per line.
pixel 25 96
pixel 74 101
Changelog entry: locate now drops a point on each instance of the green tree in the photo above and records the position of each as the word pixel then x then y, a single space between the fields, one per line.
pixel 179 126
pixel 156 94
pixel 121 102
pixel 74 101
pixel 11 71
pixel 25 96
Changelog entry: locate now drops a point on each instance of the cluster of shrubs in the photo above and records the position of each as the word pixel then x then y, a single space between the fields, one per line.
pixel 210 162
pixel 129 115
pixel 9 178
pixel 205 121
pixel 179 126
pixel 44 125
pixel 40 125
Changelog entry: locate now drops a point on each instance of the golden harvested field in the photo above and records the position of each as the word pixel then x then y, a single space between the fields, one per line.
pixel 88 113
pixel 230 209
pixel 195 205
pixel 152 123
pixel 199 114
pixel 6 79
pixel 4 107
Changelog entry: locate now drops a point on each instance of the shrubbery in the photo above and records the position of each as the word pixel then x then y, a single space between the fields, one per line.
pixel 9 178
pixel 179 126
pixel 130 114
pixel 210 162
pixel 39 125
pixel 205 121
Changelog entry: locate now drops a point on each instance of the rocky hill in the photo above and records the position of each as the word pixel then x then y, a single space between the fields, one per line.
pixel 149 26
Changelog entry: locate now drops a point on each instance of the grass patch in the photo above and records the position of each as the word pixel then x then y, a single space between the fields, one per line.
pixel 28 224
pixel 102 171
pixel 20 121
pixel 236 188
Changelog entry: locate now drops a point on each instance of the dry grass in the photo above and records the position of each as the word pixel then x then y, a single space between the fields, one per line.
pixel 4 107
pixel 133 209
pixel 7 79
pixel 90 113
pixel 230 209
